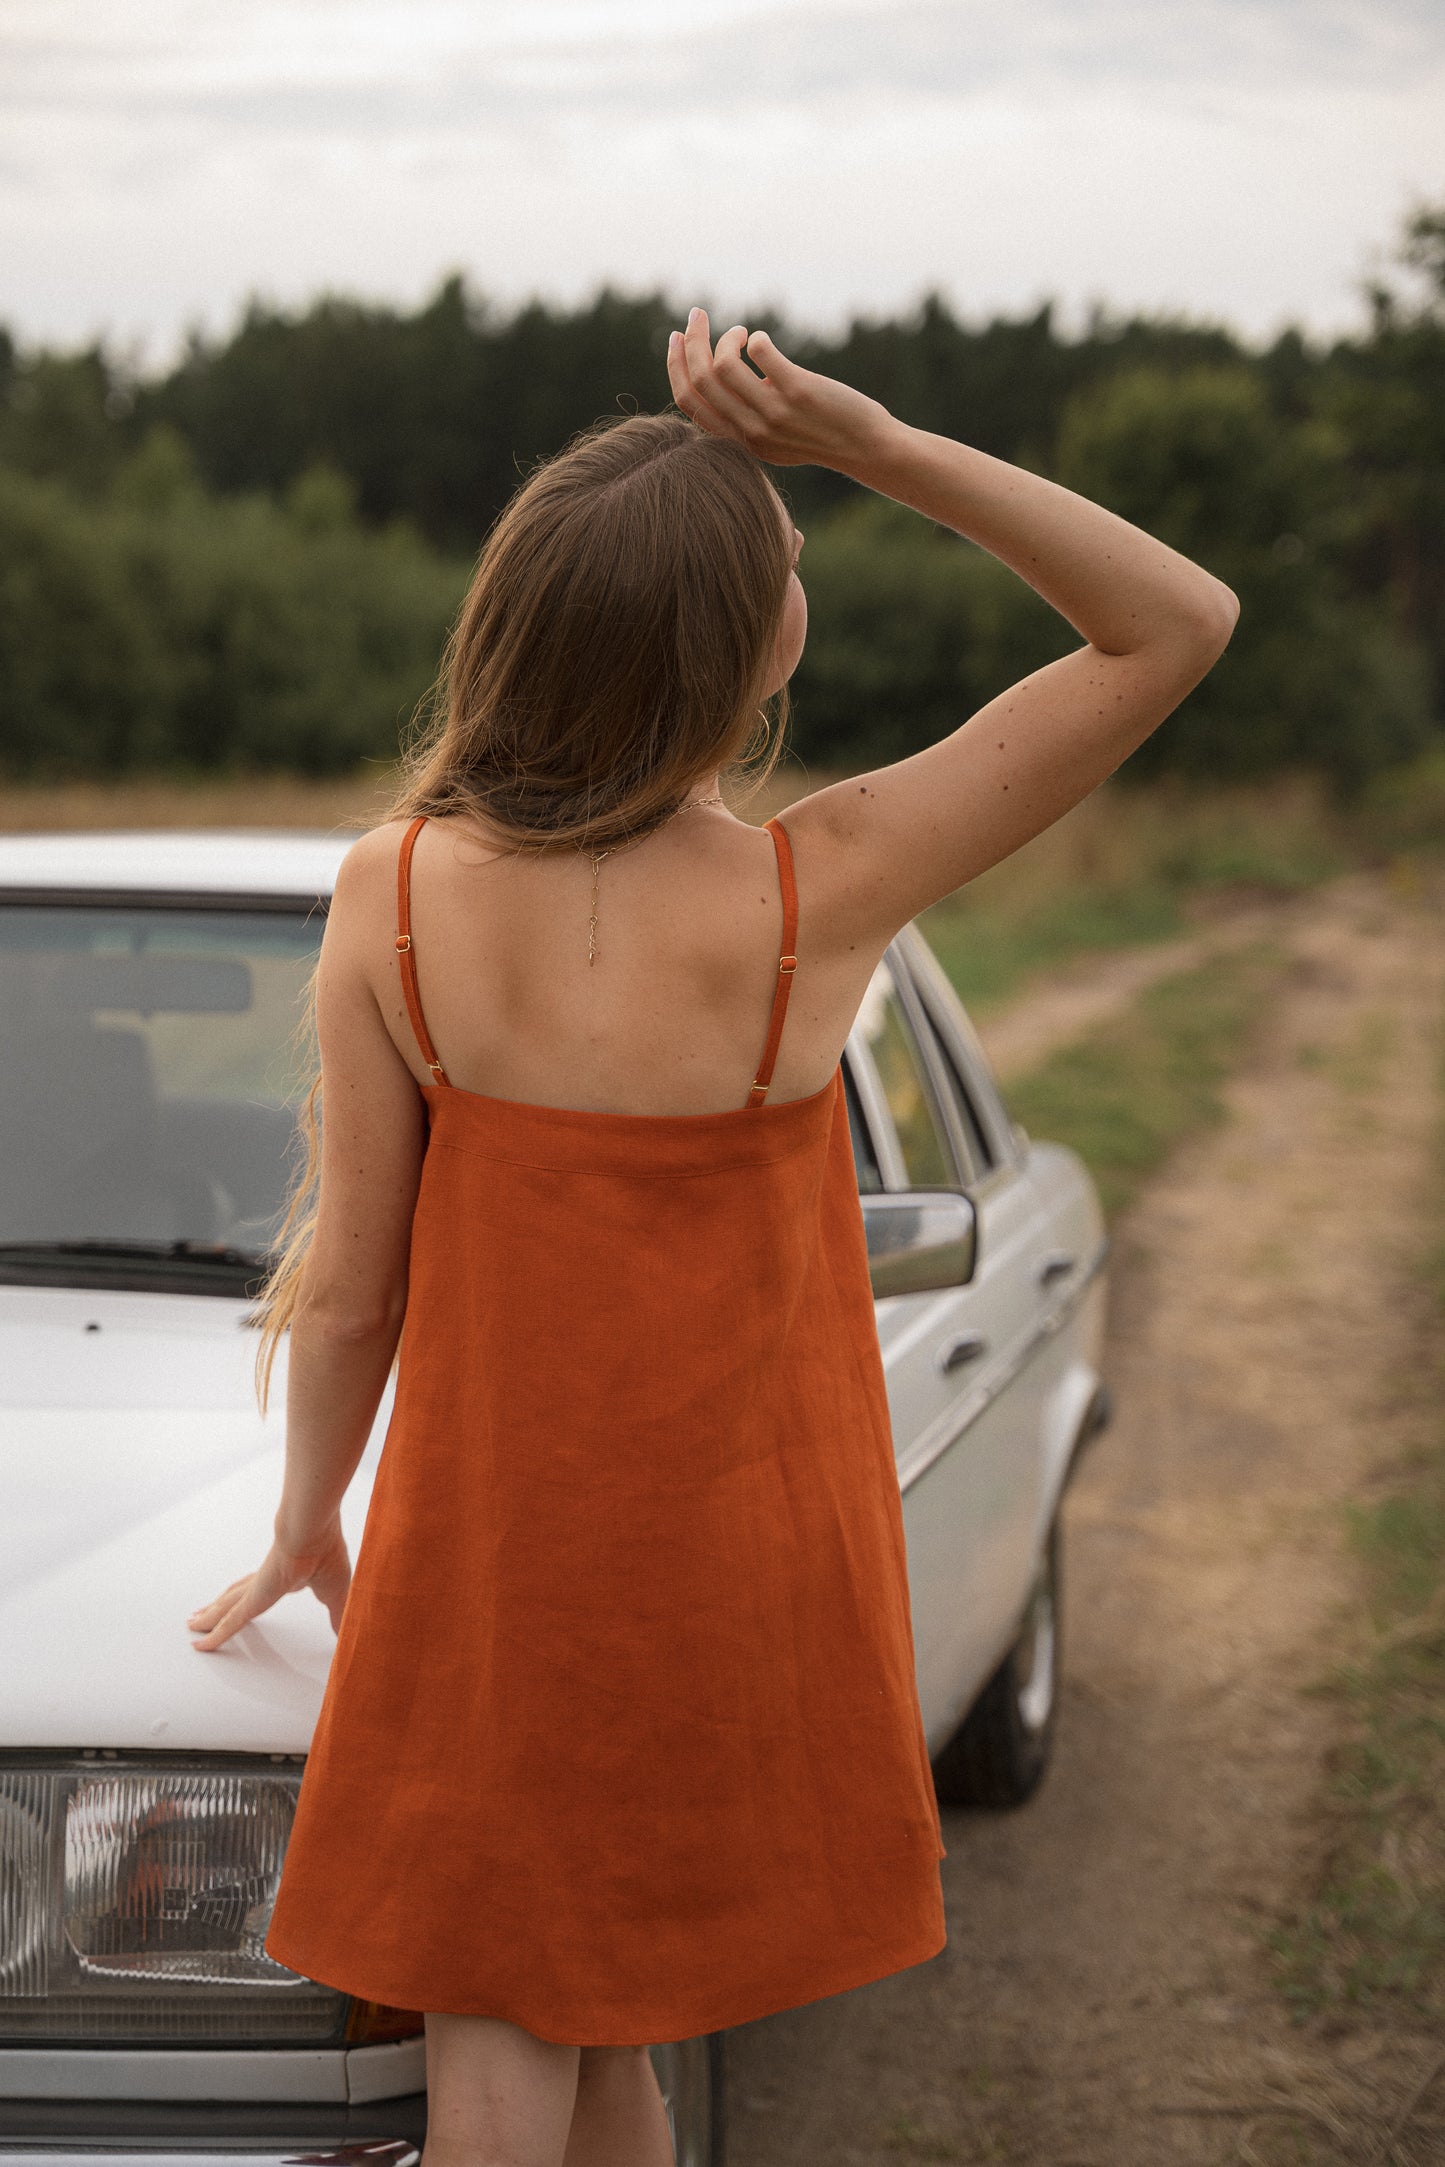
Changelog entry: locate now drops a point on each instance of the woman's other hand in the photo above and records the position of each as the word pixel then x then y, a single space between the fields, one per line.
pixel 787 416
pixel 325 1568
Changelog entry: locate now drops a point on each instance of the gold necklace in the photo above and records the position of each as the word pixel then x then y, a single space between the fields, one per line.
pixel 597 856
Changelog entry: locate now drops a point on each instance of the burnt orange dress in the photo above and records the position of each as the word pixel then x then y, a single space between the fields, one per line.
pixel 621 1739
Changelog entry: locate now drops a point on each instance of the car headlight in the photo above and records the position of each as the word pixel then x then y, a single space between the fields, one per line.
pixel 23 1855
pixel 173 1876
pixel 135 1896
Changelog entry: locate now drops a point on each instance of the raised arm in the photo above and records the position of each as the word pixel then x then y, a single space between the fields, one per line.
pixel 882 846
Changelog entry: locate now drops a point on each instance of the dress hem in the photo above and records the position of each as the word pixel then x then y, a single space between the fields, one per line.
pixel 654 2028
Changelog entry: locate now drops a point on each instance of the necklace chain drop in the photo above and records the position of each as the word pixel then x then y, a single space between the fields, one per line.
pixel 598 855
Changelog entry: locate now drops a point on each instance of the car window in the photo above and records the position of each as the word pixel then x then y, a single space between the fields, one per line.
pixel 865 1158
pixel 975 1135
pixel 890 1040
pixel 149 1059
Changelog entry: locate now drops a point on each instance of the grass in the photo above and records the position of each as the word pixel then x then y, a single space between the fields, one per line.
pixel 990 954
pixel 1373 1936
pixel 1125 1094
pixel 1131 866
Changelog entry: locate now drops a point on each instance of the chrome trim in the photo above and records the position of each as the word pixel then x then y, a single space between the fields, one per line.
pixel 873 1106
pixel 937 1088
pixel 339 2076
pixel 953 1023
pixel 950 1426
pixel 196 2152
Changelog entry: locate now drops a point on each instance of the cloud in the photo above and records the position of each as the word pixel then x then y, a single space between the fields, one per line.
pixel 368 68
pixel 1237 156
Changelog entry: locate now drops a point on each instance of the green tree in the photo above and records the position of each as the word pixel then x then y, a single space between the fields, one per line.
pixel 1384 395
pixel 61 417
pixel 1316 675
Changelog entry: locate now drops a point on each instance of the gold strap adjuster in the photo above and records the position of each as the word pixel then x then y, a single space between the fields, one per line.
pixel 787 963
pixel 403 942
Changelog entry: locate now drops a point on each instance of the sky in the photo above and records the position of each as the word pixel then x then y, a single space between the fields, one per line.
pixel 1248 161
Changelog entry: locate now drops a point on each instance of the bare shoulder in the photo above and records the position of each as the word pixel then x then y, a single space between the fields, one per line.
pixel 361 919
pixel 843 893
pixel 366 878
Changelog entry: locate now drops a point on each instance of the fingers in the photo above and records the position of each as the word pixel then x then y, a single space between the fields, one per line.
pixel 749 400
pixel 217 1622
pixel 688 400
pixel 714 386
pixel 687 356
pixel 203 1619
pixel 721 375
pixel 247 1605
pixel 766 355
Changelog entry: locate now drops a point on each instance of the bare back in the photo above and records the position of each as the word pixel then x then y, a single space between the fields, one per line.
pixel 670 1017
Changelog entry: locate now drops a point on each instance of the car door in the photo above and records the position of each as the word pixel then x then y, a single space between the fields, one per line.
pixel 966 1429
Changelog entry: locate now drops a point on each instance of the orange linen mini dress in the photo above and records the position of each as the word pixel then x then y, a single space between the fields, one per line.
pixel 621 1740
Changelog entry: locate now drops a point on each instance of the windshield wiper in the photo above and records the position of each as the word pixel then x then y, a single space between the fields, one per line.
pixel 189 1252
pixel 194 1267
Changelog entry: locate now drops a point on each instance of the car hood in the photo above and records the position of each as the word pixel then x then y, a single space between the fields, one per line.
pixel 139 1480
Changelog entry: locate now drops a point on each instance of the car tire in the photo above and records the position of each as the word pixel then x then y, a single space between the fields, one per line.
pixel 998 1755
pixel 693 2077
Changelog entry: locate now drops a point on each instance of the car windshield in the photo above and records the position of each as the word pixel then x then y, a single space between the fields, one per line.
pixel 150 1064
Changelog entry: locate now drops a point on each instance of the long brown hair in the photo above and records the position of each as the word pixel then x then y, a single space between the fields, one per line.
pixel 613 649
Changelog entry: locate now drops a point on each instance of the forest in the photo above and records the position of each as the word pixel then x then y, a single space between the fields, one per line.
pixel 249 560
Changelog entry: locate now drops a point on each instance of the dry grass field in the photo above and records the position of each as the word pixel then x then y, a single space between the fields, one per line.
pixel 149 801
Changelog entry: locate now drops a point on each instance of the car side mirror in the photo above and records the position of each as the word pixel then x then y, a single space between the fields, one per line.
pixel 920 1240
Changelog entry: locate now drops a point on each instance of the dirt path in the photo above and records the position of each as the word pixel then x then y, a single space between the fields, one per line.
pixel 1104 1962
pixel 1069 1001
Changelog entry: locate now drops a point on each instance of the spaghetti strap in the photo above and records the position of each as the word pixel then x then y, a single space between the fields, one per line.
pixel 403 949
pixel 787 962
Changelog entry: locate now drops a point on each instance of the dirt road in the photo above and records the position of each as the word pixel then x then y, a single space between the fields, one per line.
pixel 1105 1967
pixel 1070 1001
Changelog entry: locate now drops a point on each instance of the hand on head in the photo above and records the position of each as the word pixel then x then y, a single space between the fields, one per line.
pixel 746 388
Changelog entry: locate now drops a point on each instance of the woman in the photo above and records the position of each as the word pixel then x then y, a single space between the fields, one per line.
pixel 621 1741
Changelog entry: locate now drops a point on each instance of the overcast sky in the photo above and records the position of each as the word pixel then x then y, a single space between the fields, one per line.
pixel 1242 159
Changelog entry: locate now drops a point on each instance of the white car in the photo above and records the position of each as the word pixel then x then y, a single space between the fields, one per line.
pixel 149 991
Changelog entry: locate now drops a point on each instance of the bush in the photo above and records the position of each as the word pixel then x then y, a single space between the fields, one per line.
pixel 168 628
pixel 85 681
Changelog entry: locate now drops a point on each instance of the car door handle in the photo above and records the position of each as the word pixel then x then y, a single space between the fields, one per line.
pixel 963 1347
pixel 1057 1265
